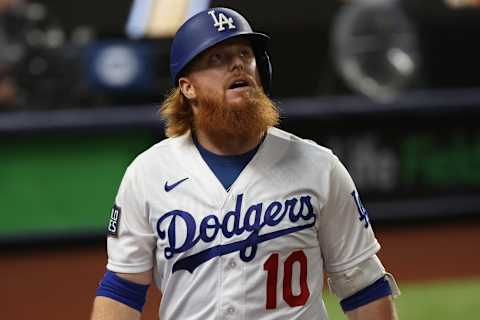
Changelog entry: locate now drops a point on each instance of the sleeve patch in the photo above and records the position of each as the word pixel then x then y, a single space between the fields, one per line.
pixel 114 222
pixel 363 213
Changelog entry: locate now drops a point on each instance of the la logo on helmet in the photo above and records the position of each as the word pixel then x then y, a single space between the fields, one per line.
pixel 221 21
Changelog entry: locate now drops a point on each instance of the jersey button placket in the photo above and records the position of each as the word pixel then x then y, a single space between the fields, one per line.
pixel 231 287
pixel 231 275
pixel 221 260
pixel 232 264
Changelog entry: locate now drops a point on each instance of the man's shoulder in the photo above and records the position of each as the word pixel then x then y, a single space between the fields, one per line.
pixel 161 152
pixel 302 145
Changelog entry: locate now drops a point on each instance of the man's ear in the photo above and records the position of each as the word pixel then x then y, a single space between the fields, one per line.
pixel 187 88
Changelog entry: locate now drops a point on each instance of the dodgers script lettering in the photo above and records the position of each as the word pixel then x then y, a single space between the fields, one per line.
pixel 235 223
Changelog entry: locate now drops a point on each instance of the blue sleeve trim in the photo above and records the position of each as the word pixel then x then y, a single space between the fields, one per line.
pixel 379 289
pixel 124 291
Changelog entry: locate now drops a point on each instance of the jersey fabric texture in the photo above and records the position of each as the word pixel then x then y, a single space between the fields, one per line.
pixel 256 251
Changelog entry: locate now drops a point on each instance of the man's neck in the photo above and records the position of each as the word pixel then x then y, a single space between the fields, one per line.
pixel 228 145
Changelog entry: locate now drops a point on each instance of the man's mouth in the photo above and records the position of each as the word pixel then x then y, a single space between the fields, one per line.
pixel 237 84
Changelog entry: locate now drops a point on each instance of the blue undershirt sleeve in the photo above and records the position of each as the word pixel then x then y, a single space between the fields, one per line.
pixel 379 289
pixel 124 291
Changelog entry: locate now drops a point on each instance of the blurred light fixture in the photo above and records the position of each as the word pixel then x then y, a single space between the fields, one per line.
pixel 119 66
pixel 160 18
pixel 375 48
pixel 460 4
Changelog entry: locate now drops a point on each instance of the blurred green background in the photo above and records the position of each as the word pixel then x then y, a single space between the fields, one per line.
pixel 60 184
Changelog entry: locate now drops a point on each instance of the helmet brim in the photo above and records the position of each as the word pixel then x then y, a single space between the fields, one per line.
pixel 259 40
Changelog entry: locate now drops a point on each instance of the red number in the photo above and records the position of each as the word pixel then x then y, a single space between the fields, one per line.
pixel 288 296
pixel 271 266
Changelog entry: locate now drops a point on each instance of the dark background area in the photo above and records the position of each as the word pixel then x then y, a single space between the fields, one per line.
pixel 300 45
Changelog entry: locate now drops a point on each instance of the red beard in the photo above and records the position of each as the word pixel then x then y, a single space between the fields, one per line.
pixel 247 119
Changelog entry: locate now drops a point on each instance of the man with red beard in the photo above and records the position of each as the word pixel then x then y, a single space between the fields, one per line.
pixel 249 216
pixel 230 111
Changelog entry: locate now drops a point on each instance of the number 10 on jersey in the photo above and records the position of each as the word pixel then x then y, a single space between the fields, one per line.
pixel 271 266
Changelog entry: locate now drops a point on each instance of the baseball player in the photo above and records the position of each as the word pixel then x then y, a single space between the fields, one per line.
pixel 231 217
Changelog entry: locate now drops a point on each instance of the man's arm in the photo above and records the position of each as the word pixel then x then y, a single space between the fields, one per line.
pixel 381 309
pixel 105 308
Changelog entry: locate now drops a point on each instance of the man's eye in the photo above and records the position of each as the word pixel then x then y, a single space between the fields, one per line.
pixel 217 57
pixel 245 54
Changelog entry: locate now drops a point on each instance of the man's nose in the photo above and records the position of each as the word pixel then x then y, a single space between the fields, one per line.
pixel 237 62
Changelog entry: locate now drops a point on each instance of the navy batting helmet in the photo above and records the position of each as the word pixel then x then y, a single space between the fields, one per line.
pixel 212 26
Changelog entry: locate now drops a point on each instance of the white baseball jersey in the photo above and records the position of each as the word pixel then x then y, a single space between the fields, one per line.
pixel 256 251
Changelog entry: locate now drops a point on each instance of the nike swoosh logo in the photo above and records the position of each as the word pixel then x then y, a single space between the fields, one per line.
pixel 170 187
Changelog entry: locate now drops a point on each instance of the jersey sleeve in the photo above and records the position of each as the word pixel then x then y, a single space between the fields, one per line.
pixel 131 247
pixel 344 230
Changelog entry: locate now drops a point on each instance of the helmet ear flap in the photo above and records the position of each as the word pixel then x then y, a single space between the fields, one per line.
pixel 264 66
